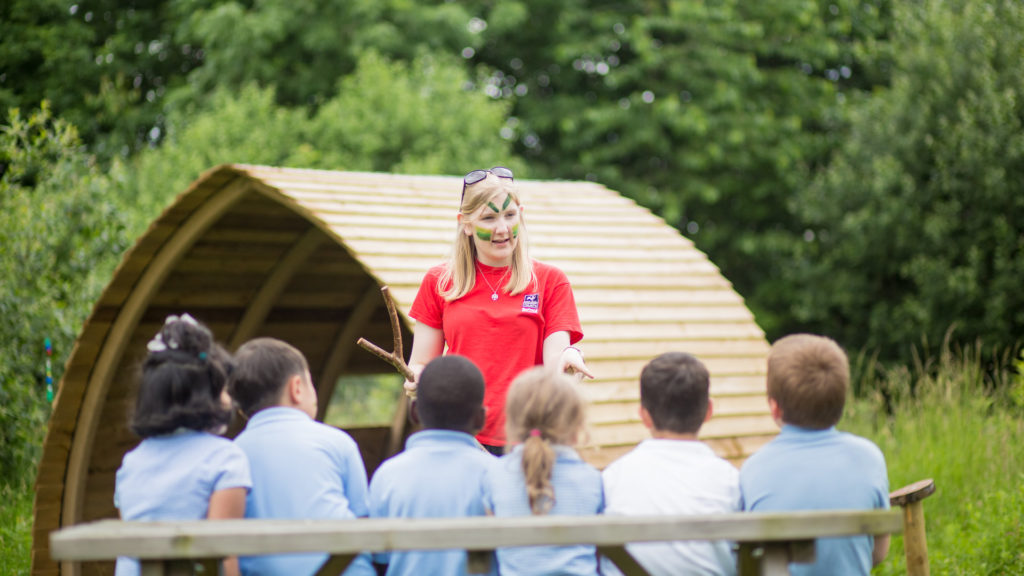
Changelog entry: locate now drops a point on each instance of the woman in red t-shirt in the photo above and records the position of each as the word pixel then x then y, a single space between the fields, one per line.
pixel 492 304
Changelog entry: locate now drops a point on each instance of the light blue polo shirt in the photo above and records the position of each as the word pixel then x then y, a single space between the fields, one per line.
pixel 300 469
pixel 804 469
pixel 439 475
pixel 172 477
pixel 578 492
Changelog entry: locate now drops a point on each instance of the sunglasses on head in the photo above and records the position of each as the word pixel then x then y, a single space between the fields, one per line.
pixel 478 175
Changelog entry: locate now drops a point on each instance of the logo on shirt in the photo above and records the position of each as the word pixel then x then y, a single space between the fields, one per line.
pixel 531 303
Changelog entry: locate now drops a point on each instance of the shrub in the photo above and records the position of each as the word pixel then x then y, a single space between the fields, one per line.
pixel 62 232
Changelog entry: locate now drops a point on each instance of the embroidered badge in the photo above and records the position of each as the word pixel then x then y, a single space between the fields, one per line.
pixel 531 303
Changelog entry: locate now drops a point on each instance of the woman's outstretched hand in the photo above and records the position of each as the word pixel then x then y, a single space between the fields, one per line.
pixel 571 361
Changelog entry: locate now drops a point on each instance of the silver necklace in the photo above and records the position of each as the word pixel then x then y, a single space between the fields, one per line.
pixel 494 291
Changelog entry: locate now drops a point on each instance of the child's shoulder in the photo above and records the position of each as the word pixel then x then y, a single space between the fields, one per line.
pixel 653 456
pixel 865 446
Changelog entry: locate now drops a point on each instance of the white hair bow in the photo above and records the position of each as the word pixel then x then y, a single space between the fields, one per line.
pixel 157 344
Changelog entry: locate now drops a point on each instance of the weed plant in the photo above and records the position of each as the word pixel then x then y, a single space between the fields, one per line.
pixel 959 420
pixel 15 529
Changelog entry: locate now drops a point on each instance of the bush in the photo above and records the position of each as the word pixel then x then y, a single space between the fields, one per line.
pixel 388 117
pixel 62 232
pixel 918 223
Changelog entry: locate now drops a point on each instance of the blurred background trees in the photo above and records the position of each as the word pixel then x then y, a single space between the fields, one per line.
pixel 854 167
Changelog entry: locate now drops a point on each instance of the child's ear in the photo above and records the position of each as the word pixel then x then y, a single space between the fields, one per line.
pixel 711 410
pixel 775 410
pixel 479 419
pixel 645 417
pixel 414 413
pixel 296 390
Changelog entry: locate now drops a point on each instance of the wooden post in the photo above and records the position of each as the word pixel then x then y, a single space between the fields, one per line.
pixel 335 564
pixel 623 560
pixel 166 568
pixel 479 561
pixel 772 558
pixel 915 543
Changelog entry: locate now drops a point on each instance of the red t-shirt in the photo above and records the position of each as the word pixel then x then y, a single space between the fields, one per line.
pixel 502 337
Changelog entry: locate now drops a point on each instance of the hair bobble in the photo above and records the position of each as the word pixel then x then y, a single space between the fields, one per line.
pixel 534 433
pixel 157 344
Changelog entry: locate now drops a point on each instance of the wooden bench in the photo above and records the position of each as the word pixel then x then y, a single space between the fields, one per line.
pixel 768 542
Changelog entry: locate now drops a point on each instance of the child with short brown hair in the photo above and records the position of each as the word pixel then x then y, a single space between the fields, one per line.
pixel 674 472
pixel 810 465
pixel 301 468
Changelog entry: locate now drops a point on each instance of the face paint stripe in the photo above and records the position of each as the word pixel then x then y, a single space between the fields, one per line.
pixel 482 234
pixel 515 231
pixel 508 198
pixel 493 207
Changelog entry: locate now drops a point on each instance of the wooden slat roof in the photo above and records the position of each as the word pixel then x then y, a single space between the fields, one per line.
pixel 301 254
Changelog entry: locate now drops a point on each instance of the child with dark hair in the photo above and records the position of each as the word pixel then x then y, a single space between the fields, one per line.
pixel 439 474
pixel 810 465
pixel 182 469
pixel 543 474
pixel 674 472
pixel 301 468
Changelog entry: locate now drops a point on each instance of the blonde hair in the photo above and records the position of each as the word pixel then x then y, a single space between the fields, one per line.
pixel 542 408
pixel 808 376
pixel 459 276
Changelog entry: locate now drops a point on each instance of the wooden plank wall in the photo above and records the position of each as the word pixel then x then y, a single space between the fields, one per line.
pixel 641 287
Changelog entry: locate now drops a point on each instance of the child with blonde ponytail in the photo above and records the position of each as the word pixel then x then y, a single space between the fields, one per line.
pixel 543 474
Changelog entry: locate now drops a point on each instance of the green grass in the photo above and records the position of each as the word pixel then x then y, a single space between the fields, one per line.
pixel 15 530
pixel 961 426
pixel 366 400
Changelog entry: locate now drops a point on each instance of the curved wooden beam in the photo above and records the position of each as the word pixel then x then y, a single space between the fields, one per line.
pixel 117 341
pixel 274 285
pixel 344 344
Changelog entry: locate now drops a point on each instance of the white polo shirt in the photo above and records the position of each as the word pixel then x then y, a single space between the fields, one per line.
pixel 674 477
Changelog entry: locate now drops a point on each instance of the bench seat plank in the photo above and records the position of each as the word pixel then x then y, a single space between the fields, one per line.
pixel 107 539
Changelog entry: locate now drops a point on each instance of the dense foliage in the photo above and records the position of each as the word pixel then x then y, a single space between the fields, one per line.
pixel 62 231
pixel 917 225
pixel 853 166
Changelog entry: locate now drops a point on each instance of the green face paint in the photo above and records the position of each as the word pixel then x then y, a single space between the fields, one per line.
pixel 515 231
pixel 483 234
pixel 508 200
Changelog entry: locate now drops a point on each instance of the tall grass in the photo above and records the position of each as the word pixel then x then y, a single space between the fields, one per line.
pixel 958 419
pixel 15 530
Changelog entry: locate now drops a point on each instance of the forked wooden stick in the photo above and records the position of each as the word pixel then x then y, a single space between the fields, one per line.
pixel 396 357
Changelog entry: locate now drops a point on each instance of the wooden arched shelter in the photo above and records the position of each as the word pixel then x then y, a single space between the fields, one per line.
pixel 301 255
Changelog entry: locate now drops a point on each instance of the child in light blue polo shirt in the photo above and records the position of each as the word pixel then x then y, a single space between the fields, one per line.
pixel 301 468
pixel 810 465
pixel 543 474
pixel 182 469
pixel 440 472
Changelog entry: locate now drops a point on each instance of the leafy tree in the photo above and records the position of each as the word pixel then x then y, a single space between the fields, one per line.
pixel 917 226
pixel 103 65
pixel 62 233
pixel 303 49
pixel 387 116
pixel 415 118
pixel 711 113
